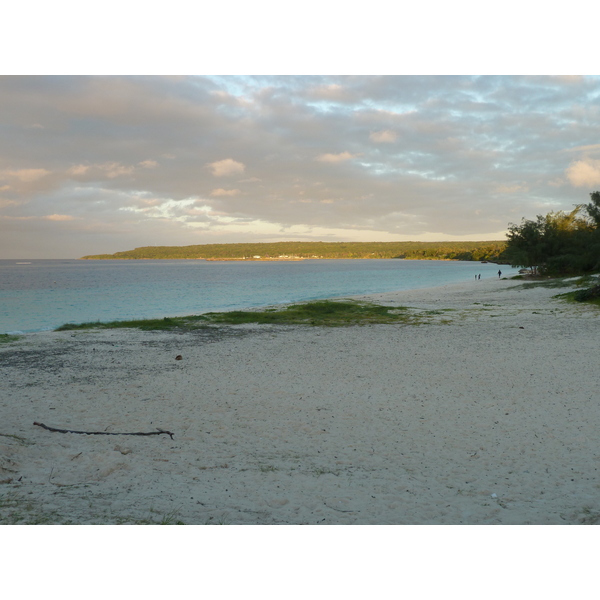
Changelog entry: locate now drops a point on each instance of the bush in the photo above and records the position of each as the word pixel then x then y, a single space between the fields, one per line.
pixel 592 293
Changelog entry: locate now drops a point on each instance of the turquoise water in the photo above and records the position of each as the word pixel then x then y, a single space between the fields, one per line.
pixel 45 294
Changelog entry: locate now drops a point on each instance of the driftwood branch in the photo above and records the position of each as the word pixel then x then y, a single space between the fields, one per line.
pixel 157 432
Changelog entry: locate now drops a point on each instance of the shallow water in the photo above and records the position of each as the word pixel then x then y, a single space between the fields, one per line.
pixel 45 294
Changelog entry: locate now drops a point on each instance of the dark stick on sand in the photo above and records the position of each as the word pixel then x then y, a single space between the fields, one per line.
pixel 158 432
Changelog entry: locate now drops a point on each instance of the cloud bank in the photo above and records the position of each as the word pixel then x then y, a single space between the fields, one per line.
pixel 101 164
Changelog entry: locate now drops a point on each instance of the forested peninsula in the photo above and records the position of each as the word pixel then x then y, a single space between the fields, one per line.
pixel 477 251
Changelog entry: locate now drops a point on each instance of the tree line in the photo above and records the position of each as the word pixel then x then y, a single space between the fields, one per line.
pixel 559 243
pixel 471 251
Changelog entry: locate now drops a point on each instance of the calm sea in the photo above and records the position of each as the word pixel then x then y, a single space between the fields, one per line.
pixel 44 294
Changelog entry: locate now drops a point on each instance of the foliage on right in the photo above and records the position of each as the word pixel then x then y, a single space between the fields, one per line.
pixel 558 243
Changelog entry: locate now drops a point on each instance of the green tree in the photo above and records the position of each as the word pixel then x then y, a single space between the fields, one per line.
pixel 525 247
pixel 593 208
pixel 557 243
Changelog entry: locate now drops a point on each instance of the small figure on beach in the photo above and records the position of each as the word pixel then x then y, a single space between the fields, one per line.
pixel 479 276
pixel 499 274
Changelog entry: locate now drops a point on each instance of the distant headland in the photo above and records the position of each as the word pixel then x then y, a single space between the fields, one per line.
pixel 475 251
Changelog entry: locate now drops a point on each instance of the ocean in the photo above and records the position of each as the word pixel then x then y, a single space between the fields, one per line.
pixel 38 295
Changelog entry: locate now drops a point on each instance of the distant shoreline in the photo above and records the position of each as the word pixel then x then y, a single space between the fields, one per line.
pixel 276 259
pixel 489 251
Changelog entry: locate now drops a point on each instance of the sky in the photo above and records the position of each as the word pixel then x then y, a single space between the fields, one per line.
pixel 95 160
pixel 94 164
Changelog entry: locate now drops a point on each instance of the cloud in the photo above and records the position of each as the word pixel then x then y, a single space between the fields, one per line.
pixel 383 137
pixel 5 203
pixel 332 91
pixel 148 164
pixel 59 217
pixel 115 169
pixel 111 169
pixel 586 149
pixel 228 166
pixel 78 170
pixel 354 157
pixel 335 158
pixel 222 192
pixel 149 202
pixel 26 175
pixel 584 173
pixel 511 189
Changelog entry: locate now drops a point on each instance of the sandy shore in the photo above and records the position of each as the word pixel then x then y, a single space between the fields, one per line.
pixel 485 413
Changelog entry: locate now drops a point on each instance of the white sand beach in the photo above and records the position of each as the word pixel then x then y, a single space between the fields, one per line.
pixel 487 413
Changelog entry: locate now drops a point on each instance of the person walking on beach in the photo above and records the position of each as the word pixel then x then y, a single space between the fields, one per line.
pixel 499 274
